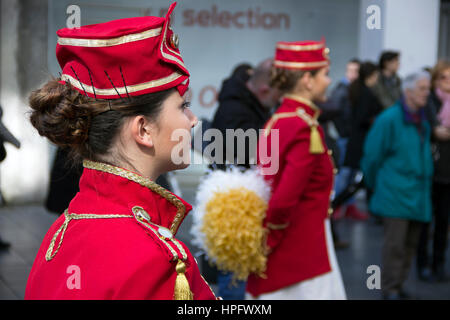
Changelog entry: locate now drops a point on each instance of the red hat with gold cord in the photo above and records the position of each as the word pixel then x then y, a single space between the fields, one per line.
pixel 301 55
pixel 120 58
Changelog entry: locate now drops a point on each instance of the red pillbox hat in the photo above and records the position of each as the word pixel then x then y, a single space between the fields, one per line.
pixel 132 56
pixel 301 55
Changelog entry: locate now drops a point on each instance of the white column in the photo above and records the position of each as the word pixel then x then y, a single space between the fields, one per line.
pixel 24 173
pixel 412 27
pixel 408 26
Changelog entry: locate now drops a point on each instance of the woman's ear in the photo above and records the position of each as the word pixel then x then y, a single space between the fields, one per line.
pixel 142 131
pixel 308 81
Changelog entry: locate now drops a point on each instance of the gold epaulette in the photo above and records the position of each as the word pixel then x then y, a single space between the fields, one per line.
pixel 182 289
pixel 316 145
pixel 275 118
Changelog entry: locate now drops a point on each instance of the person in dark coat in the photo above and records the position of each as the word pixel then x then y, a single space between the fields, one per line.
pixel 365 107
pixel 5 136
pixel 339 97
pixel 64 178
pixel 244 103
pixel 440 94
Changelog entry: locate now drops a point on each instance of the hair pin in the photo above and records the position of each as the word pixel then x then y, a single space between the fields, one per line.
pixel 113 84
pixel 78 80
pixel 92 83
pixel 124 84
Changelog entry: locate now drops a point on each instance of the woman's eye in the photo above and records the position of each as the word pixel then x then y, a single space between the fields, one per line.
pixel 185 105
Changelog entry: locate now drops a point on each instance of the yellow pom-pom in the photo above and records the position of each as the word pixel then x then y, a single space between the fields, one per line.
pixel 234 236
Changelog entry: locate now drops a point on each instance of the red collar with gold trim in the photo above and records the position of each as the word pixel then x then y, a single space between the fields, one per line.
pixel 106 189
pixel 294 102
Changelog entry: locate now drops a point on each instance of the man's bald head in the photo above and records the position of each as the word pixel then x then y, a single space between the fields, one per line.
pixel 259 84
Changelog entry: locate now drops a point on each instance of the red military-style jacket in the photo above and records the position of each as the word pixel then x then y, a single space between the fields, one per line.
pixel 300 200
pixel 115 242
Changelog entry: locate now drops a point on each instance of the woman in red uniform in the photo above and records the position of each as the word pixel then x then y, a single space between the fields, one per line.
pixel 301 262
pixel 117 104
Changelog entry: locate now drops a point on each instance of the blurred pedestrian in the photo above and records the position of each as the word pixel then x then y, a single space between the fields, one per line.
pixel 242 72
pixel 343 124
pixel 340 98
pixel 388 88
pixel 340 102
pixel 5 136
pixel 301 262
pixel 438 112
pixel 398 167
pixel 365 107
pixel 245 102
pixel 64 178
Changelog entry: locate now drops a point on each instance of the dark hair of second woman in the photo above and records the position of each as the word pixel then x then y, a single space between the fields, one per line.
pixel 285 79
pixel 86 125
pixel 366 70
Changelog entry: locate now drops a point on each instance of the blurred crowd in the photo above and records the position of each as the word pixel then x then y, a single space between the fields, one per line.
pixel 402 168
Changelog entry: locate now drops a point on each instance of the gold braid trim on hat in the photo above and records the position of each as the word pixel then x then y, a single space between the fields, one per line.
pixel 300 65
pixel 145 182
pixel 121 90
pixel 298 47
pixel 95 43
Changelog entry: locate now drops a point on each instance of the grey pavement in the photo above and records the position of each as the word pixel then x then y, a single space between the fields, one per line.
pixel 25 226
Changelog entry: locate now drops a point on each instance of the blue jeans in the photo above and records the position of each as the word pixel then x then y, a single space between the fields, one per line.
pixel 229 291
pixel 345 174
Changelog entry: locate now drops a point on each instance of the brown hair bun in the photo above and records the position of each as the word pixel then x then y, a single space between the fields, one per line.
pixel 61 114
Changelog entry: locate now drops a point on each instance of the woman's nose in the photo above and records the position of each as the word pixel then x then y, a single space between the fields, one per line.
pixel 194 120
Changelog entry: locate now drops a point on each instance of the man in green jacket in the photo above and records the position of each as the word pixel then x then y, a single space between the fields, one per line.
pixel 388 88
pixel 397 165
